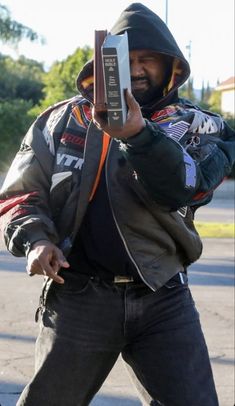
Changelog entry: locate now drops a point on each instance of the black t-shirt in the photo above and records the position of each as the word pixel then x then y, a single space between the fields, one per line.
pixel 98 248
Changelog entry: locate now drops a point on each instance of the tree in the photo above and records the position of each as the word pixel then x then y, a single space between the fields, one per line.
pixel 20 79
pixel 60 81
pixel 186 91
pixel 14 120
pixel 20 87
pixel 12 31
pixel 214 101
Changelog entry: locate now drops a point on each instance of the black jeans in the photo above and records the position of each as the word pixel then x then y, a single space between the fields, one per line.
pixel 85 328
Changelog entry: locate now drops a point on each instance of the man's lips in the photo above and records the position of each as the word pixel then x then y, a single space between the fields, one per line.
pixel 139 84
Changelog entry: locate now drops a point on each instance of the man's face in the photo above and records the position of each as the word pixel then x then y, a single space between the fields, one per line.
pixel 149 75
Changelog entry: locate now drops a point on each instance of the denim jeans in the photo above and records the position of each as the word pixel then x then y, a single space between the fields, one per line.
pixel 85 326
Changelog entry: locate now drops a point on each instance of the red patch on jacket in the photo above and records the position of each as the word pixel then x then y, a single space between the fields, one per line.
pixel 8 204
pixel 72 139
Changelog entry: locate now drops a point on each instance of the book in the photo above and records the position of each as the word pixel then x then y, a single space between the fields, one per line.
pixel 99 90
pixel 116 66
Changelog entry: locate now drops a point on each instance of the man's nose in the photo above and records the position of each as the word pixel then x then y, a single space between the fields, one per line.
pixel 136 69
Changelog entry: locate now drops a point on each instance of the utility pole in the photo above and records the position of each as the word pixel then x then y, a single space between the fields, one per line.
pixel 189 48
pixel 190 81
pixel 166 11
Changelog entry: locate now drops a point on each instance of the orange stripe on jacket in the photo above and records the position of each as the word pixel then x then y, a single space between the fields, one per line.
pixel 106 140
pixel 78 115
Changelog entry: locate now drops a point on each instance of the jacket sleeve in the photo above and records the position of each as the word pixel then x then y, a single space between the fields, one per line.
pixel 24 197
pixel 179 173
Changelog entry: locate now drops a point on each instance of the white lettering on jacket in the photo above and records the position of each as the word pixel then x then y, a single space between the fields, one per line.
pixel 69 160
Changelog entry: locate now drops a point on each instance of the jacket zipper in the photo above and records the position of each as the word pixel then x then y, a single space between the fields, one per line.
pixel 117 225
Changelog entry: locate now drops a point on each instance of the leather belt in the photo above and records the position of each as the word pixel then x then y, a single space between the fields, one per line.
pixel 180 277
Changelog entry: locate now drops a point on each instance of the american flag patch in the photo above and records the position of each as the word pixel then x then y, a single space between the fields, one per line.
pixel 177 130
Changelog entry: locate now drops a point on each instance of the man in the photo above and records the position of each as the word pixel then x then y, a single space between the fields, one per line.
pixel 107 216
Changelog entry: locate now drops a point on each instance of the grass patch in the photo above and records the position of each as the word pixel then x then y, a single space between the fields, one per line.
pixel 215 230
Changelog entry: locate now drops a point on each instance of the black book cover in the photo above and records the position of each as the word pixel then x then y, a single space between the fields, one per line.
pixel 116 67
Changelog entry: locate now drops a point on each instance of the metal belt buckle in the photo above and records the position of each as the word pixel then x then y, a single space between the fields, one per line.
pixel 123 279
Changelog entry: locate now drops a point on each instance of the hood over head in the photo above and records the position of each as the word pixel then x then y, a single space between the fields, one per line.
pixel 145 31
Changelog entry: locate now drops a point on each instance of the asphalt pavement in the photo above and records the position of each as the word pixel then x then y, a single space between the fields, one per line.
pixel 212 286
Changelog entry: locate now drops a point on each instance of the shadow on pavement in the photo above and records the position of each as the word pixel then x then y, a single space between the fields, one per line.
pixel 212 274
pixel 105 400
pixel 10 390
pixel 6 336
pixel 10 263
pixel 19 268
pixel 9 393
pixel 222 361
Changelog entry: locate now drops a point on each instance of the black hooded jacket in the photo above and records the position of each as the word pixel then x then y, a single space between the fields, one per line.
pixel 155 179
pixel 147 31
pixel 106 251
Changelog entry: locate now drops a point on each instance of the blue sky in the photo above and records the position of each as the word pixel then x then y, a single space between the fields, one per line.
pixel 207 24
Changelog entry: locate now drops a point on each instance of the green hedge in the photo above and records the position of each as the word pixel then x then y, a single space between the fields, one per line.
pixel 14 122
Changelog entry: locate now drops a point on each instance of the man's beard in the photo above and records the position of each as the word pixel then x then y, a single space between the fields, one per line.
pixel 152 93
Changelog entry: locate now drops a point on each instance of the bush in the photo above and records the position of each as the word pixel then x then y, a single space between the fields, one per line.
pixel 230 120
pixel 14 122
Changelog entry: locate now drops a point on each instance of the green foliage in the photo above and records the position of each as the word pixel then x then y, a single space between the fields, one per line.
pixel 210 99
pixel 20 87
pixel 23 83
pixel 21 79
pixel 205 96
pixel 12 31
pixel 214 101
pixel 60 81
pixel 186 91
pixel 14 120
pixel 230 120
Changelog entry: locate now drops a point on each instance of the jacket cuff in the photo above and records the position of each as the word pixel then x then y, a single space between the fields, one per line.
pixel 37 236
pixel 144 137
pixel 21 240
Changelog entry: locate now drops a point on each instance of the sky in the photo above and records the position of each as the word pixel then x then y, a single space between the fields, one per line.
pixel 206 25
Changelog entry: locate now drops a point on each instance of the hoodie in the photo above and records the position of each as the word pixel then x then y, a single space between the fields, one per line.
pixel 207 159
pixel 145 31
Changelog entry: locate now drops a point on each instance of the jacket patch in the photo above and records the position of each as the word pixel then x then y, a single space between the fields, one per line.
pixel 69 160
pixel 87 113
pixel 72 139
pixel 183 211
pixel 190 171
pixel 165 113
pixel 49 128
pixel 58 178
pixel 176 130
pixel 203 124
pixel 8 204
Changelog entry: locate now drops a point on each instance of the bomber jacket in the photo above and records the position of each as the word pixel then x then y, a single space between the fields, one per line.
pixel 51 180
pixel 155 179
